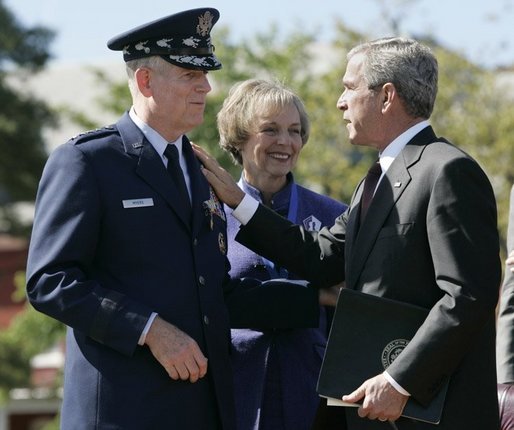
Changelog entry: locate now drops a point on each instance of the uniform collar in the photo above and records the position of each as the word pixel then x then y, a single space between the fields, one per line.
pixel 156 140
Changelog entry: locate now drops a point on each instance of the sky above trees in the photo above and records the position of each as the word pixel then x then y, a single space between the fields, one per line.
pixel 481 30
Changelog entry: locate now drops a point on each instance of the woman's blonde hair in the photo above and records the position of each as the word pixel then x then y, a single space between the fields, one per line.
pixel 245 101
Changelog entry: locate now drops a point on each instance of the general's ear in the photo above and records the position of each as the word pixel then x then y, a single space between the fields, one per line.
pixel 143 80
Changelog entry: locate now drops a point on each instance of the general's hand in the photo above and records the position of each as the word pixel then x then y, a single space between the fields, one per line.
pixel 177 352
pixel 510 261
pixel 222 182
pixel 380 400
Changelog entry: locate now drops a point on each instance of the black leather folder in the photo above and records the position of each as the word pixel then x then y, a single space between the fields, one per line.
pixel 368 332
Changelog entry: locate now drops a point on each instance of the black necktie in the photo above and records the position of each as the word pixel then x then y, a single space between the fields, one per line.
pixel 370 183
pixel 175 171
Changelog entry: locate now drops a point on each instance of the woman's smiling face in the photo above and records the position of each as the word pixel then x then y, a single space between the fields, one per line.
pixel 272 150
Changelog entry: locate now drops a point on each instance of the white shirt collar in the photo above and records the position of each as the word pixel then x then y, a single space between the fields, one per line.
pixel 387 156
pixel 156 140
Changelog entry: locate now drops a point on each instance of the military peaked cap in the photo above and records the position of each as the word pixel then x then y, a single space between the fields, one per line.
pixel 182 39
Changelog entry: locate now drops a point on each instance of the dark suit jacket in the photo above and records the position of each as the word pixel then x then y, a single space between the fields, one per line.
pixel 110 245
pixel 505 334
pixel 430 238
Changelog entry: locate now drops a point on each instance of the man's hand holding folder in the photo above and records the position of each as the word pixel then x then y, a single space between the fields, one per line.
pixel 368 333
pixel 378 399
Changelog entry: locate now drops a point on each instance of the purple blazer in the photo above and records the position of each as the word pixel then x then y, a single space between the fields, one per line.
pixel 278 367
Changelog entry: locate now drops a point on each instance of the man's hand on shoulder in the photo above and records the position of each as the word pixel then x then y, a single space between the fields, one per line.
pixel 224 185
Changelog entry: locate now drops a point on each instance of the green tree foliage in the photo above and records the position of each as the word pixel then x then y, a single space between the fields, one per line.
pixel 22 117
pixel 30 333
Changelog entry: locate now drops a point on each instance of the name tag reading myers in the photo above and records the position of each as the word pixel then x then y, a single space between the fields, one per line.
pixel 137 203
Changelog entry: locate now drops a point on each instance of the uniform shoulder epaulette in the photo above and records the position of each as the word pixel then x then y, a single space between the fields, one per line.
pixel 93 134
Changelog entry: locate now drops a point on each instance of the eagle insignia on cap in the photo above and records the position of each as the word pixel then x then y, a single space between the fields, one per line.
pixel 204 24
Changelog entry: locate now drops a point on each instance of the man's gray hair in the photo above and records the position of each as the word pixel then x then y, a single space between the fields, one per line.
pixel 154 62
pixel 409 65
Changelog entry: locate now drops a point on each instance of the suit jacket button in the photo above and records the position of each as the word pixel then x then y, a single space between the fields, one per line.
pixel 206 319
pixel 195 241
pixel 201 280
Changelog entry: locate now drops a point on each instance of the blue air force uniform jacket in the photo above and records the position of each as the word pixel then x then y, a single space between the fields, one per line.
pixel 294 355
pixel 110 245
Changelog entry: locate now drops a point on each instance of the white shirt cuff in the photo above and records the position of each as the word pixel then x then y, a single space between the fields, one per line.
pixel 142 338
pixel 395 384
pixel 246 209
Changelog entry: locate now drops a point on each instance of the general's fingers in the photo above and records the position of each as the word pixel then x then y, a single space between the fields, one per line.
pixel 196 367
pixel 190 368
pixel 182 370
pixel 172 372
pixel 177 352
pixel 201 361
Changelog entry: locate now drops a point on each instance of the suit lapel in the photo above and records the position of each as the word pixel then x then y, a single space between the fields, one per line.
pixel 391 187
pixel 150 167
pixel 389 190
